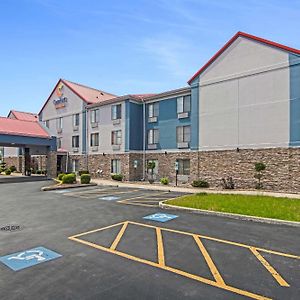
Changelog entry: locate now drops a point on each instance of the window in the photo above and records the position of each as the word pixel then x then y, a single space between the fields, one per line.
pixel 183 134
pixel 59 142
pixel 116 112
pixel 116 137
pixel 153 109
pixel 47 123
pixel 115 166
pixel 95 116
pixel 153 136
pixel 75 141
pixel 75 120
pixel 183 104
pixel 94 139
pixel 59 123
pixel 183 166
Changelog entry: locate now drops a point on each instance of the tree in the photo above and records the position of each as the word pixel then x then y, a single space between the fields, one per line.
pixel 259 167
pixel 151 166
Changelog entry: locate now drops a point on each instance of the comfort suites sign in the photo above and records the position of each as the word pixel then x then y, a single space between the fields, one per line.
pixel 61 101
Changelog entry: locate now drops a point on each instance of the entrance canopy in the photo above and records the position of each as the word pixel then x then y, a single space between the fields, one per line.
pixel 19 133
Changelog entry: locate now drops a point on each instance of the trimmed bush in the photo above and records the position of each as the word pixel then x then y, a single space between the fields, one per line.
pixel 118 177
pixel 164 180
pixel 39 172
pixel 60 176
pixel 69 178
pixel 85 178
pixel 83 172
pixel 12 168
pixel 200 183
pixel 7 172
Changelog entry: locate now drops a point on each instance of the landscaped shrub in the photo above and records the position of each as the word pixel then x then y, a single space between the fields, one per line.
pixel 2 167
pixel 39 172
pixel 85 178
pixel 83 172
pixel 227 183
pixel 44 172
pixel 69 178
pixel 200 183
pixel 259 167
pixel 7 172
pixel 60 176
pixel 13 168
pixel 164 180
pixel 118 177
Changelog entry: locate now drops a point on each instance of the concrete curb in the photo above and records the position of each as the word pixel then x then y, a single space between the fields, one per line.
pixel 66 186
pixel 189 190
pixel 229 215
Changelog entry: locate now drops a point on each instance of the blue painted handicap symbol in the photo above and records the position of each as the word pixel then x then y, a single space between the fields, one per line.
pixel 160 217
pixel 28 258
pixel 109 198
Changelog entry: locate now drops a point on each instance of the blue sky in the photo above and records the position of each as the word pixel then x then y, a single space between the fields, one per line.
pixel 123 46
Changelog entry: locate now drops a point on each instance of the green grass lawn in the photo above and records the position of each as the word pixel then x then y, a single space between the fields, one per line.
pixel 259 206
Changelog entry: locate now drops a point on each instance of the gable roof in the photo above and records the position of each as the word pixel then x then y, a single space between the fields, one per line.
pixel 23 116
pixel 23 128
pixel 248 36
pixel 87 94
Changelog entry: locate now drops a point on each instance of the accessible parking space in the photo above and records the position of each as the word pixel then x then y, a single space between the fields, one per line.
pixel 131 196
pixel 205 259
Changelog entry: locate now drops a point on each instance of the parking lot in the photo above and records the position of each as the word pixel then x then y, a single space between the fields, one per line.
pixel 108 243
pixel 131 196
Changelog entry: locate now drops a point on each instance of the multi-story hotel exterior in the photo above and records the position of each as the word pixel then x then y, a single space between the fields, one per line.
pixel 242 107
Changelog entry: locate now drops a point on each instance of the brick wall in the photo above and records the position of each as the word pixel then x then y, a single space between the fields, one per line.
pixel 281 174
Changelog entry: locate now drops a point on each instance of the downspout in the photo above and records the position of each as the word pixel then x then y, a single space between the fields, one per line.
pixel 144 139
pixel 86 138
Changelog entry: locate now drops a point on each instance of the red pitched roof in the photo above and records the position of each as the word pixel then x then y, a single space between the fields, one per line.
pixel 87 94
pixel 249 36
pixel 23 116
pixel 24 128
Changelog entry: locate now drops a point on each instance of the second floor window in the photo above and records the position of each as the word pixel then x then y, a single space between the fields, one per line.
pixel 183 134
pixel 183 104
pixel 116 137
pixel 94 139
pixel 47 123
pixel 95 116
pixel 75 120
pixel 153 109
pixel 75 141
pixel 116 112
pixel 153 136
pixel 59 123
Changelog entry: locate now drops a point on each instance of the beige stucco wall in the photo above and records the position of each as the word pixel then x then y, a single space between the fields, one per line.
pixel 244 98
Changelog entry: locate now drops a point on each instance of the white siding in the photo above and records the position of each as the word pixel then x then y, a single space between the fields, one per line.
pixel 74 105
pixel 105 127
pixel 244 98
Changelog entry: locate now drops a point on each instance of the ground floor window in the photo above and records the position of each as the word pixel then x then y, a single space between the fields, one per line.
pixel 75 165
pixel 115 166
pixel 183 166
pixel 59 142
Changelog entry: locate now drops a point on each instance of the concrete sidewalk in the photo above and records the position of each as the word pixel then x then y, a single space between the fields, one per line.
pixel 159 187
